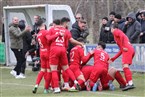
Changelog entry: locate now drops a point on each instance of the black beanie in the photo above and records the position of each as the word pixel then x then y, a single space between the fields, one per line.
pixel 118 16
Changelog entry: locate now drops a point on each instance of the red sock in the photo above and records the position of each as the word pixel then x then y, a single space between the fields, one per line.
pixel 71 74
pixel 47 78
pixel 81 82
pixel 120 79
pixel 65 76
pixel 55 79
pixel 128 74
pixel 39 77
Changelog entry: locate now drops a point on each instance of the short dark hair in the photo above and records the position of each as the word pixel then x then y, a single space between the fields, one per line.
pixel 40 22
pixel 102 44
pixel 115 25
pixel 22 24
pixel 105 18
pixel 112 13
pixel 64 19
pixel 118 16
pixel 56 21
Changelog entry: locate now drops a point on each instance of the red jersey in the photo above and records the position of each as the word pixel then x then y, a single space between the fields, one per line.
pixel 101 57
pixel 42 40
pixel 56 39
pixel 123 42
pixel 121 39
pixel 77 56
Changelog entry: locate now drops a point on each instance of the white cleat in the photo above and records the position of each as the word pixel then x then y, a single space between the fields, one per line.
pixel 20 76
pixel 13 72
pixel 56 90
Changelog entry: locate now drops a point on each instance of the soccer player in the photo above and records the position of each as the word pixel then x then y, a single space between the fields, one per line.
pixel 100 69
pixel 58 54
pixel 44 57
pixel 127 51
pixel 77 59
pixel 112 74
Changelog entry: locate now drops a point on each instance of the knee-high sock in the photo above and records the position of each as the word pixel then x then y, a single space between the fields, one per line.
pixel 71 74
pixel 55 79
pixel 39 77
pixel 120 79
pixel 65 77
pixel 47 78
pixel 128 74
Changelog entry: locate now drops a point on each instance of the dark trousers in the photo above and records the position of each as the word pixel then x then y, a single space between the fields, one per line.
pixel 20 59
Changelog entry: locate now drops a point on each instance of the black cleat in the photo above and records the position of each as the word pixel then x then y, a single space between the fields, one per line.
pixel 128 87
pixel 34 90
pixel 78 86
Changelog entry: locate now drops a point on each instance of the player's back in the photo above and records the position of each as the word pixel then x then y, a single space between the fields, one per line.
pixel 75 55
pixel 121 39
pixel 101 57
pixel 60 40
pixel 42 39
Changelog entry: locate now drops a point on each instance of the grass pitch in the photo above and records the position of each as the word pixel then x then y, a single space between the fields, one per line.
pixel 11 87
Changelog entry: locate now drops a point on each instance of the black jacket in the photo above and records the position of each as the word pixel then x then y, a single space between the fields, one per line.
pixel 132 30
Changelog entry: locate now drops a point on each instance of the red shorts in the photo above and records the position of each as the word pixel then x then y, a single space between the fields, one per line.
pixel 76 70
pixel 44 58
pixel 86 70
pixel 58 56
pixel 127 57
pixel 99 71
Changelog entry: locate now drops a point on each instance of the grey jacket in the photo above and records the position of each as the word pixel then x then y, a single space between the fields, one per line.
pixel 16 37
pixel 132 30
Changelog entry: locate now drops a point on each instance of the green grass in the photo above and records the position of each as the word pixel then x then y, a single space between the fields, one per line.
pixel 11 87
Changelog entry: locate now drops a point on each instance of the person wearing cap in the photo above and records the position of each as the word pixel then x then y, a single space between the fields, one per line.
pixel 141 18
pixel 120 21
pixel 132 28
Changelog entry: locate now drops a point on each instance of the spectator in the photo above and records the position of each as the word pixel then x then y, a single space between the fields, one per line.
pixel 120 21
pixel 142 22
pixel 34 33
pixel 85 32
pixel 17 45
pixel 27 37
pixel 103 32
pixel 111 18
pixel 132 28
pixel 77 31
pixel 35 26
pixel 110 38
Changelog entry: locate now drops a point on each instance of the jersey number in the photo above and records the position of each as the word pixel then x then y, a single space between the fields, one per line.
pixel 72 56
pixel 102 57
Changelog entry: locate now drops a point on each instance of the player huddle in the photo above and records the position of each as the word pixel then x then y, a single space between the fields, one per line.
pixel 76 74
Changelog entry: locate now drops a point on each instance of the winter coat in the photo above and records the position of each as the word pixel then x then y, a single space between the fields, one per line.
pixel 121 24
pixel 142 22
pixel 132 30
pixel 16 38
pixel 104 34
